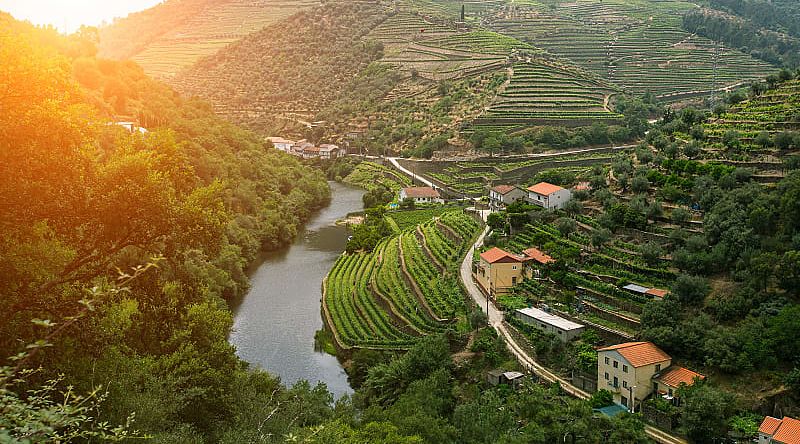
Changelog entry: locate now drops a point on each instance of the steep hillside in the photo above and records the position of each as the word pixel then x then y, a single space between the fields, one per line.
pixel 175 34
pixel 639 46
pixel 289 75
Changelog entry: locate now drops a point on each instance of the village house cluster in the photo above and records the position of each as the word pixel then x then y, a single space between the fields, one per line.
pixel 307 150
pixel 543 194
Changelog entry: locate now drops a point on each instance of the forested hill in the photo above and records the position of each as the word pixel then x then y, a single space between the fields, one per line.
pixel 176 33
pixel 292 68
pixel 84 201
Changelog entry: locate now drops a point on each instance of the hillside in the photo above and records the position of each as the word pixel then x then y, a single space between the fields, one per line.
pixel 175 34
pixel 511 67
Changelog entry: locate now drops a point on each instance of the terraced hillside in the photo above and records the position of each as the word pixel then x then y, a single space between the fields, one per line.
pixel 274 74
pixel 773 112
pixel 638 46
pixel 404 289
pixel 545 92
pixel 200 30
pixel 474 178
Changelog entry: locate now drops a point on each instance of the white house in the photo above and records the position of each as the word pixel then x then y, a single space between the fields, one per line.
pixel 502 195
pixel 329 151
pixel 132 127
pixel 548 195
pixel 779 431
pixel 564 329
pixel 421 195
pixel 281 144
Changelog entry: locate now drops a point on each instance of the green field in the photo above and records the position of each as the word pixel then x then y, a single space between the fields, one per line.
pixel 402 290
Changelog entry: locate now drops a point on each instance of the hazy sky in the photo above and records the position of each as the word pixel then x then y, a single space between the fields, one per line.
pixel 69 15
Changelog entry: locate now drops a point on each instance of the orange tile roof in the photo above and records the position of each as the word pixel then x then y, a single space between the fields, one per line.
pixel 788 431
pixel 675 376
pixel 503 189
pixel 495 254
pixel 544 188
pixel 657 292
pixel 769 425
pixel 421 192
pixel 538 256
pixel 639 354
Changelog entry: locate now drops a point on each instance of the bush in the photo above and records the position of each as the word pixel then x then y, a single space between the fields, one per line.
pixel 601 398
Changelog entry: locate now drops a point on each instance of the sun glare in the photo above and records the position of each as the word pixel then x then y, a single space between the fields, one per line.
pixel 68 15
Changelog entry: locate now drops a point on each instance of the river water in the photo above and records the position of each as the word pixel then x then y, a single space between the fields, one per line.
pixel 274 324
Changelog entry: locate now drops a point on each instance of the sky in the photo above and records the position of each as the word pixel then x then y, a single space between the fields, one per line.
pixel 69 15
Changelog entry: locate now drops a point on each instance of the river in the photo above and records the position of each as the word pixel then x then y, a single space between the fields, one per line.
pixel 274 324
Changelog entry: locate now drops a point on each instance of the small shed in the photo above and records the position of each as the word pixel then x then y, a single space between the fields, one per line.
pixel 502 377
pixel 638 289
pixel 564 329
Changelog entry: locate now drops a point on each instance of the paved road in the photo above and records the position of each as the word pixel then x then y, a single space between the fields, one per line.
pixel 397 165
pixel 495 317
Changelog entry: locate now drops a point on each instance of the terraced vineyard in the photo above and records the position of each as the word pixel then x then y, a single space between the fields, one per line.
pixel 402 290
pixel 475 177
pixel 545 92
pixel 211 29
pixel 369 175
pixel 597 278
pixel 439 51
pixel 639 46
pixel 772 112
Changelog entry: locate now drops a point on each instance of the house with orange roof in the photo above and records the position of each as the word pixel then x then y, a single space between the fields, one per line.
pixel 667 382
pixel 548 196
pixel 421 195
pixel 634 371
pixel 498 270
pixel 502 195
pixel 779 431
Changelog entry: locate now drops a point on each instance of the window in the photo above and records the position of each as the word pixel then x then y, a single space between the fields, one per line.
pixel 658 367
pixel 616 364
pixel 606 376
pixel 559 332
pixel 607 360
pixel 625 401
pixel 624 384
pixel 616 382
pixel 625 368
pixel 513 267
pixel 513 280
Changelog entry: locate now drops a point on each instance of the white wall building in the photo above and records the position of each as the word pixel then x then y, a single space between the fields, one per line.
pixel 421 195
pixel 548 195
pixel 564 329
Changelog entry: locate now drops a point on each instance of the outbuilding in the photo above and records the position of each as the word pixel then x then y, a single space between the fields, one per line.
pixel 563 329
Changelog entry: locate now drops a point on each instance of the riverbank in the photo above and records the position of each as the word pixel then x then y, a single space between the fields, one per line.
pixel 276 322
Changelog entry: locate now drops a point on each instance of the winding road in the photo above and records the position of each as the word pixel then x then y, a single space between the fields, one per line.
pixel 495 317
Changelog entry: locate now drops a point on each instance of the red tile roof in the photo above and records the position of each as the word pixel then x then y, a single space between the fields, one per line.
pixel 495 255
pixel 503 189
pixel 639 354
pixel 544 188
pixel 657 292
pixel 788 431
pixel 769 425
pixel 414 192
pixel 675 376
pixel 538 256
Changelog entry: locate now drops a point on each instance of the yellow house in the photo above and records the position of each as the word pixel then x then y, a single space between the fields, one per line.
pixel 627 370
pixel 499 270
